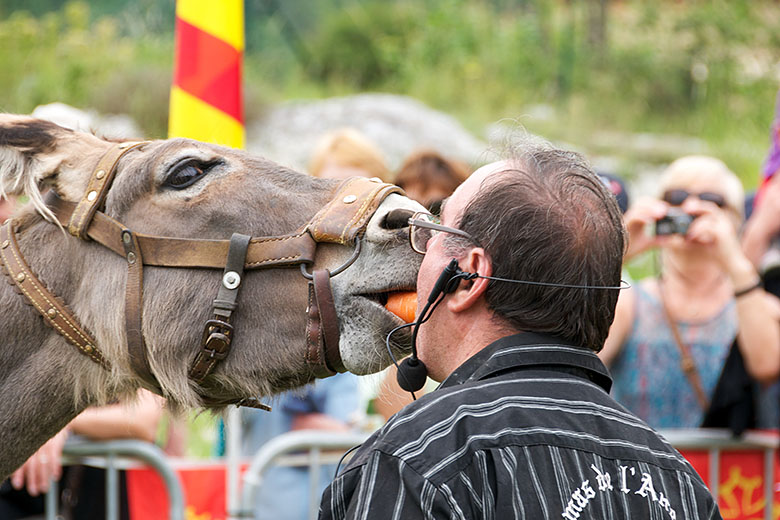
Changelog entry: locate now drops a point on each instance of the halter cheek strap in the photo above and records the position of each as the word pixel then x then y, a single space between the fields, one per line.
pixel 218 332
pixel 322 328
pixel 55 313
pixel 134 299
pixel 339 222
pixel 97 188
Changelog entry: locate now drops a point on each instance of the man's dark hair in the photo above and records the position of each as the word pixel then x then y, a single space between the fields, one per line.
pixel 548 218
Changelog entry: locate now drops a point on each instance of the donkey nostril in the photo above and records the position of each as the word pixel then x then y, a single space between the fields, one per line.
pixel 397 218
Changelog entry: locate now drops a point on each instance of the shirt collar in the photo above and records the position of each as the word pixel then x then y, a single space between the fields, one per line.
pixel 530 350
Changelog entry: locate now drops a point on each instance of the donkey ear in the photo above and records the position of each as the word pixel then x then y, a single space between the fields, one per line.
pixel 33 152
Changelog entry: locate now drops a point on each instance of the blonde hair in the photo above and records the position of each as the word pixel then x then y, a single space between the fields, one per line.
pixel 350 149
pixel 686 170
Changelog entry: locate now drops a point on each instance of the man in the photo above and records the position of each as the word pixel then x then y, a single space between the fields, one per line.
pixel 522 425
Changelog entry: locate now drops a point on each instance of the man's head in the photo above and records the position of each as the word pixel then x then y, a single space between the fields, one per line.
pixel 542 215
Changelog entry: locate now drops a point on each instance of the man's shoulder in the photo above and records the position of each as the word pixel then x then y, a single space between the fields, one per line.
pixel 448 426
pixel 575 446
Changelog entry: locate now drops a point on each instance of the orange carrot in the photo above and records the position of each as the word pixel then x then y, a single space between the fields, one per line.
pixel 403 305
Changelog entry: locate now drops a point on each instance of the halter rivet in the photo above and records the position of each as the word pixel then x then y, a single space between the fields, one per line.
pixel 100 174
pixel 126 238
pixel 349 199
pixel 130 257
pixel 20 277
pixel 5 244
pixel 88 349
pixel 91 196
pixel 231 280
pixel 52 312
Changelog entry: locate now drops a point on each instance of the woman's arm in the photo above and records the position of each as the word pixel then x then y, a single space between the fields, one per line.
pixel 759 324
pixel 764 225
pixel 621 326
pixel 132 420
pixel 757 312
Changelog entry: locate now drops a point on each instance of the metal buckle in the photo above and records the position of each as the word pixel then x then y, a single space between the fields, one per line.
pixel 216 339
pixel 342 267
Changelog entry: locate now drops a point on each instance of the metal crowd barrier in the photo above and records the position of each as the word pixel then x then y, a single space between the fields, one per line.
pixel 311 448
pixel 113 456
pixel 315 448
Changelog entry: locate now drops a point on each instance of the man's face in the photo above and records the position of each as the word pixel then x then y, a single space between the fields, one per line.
pixel 432 339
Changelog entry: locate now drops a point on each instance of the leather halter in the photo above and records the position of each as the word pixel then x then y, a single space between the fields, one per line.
pixel 341 221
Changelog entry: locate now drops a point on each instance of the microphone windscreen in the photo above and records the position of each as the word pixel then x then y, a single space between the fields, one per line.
pixel 412 374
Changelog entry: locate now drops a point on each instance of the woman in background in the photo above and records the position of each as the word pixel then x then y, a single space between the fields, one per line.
pixel 428 177
pixel 347 153
pixel 672 333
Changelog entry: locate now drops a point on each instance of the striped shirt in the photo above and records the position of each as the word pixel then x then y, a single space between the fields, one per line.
pixel 523 429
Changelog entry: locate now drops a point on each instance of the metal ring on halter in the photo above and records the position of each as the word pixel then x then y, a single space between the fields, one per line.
pixel 342 267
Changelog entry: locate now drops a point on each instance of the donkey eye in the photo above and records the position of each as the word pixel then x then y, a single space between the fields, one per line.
pixel 186 174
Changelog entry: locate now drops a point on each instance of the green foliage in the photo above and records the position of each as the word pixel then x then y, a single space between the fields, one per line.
pixel 63 56
pixel 363 46
pixel 700 68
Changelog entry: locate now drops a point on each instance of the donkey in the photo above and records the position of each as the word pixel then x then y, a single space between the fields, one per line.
pixel 190 190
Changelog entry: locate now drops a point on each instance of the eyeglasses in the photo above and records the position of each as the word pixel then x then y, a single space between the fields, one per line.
pixel 424 226
pixel 678 196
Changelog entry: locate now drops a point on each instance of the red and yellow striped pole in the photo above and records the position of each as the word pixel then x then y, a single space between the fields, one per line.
pixel 206 102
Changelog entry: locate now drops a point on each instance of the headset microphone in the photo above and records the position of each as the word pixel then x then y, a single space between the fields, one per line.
pixel 445 283
pixel 412 372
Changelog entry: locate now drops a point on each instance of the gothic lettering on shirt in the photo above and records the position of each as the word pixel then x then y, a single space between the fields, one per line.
pixel 628 478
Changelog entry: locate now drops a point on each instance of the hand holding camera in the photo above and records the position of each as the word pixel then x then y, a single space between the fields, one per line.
pixel 640 220
pixel 675 222
pixel 680 217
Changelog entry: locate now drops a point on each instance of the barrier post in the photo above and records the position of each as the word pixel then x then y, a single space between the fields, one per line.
pixel 112 488
pixel 232 459
pixel 315 464
pixel 50 507
pixel 296 441
pixel 146 452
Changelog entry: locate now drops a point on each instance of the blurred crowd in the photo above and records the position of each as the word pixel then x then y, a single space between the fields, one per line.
pixel 695 342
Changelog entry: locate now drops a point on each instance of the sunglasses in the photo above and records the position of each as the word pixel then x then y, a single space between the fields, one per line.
pixel 424 226
pixel 678 196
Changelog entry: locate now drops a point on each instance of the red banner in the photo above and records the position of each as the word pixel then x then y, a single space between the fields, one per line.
pixel 204 493
pixel 740 482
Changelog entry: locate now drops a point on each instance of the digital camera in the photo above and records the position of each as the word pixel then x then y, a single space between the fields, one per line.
pixel 675 222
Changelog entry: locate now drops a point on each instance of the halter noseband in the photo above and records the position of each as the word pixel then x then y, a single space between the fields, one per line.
pixel 341 221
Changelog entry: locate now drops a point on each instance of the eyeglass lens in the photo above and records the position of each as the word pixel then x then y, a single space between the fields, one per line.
pixel 677 197
pixel 420 235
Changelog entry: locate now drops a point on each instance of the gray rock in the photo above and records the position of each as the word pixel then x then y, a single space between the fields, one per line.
pixel 398 125
pixel 110 126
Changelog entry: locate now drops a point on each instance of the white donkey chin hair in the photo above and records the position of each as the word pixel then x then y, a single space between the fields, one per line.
pixel 34 193
pixel 13 181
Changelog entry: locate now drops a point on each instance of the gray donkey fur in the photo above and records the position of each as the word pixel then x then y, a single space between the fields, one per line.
pixel 45 381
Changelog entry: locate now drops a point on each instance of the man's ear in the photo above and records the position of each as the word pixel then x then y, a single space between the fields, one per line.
pixel 469 292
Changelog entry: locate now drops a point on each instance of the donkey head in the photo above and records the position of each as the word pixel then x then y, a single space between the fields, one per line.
pixel 188 189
